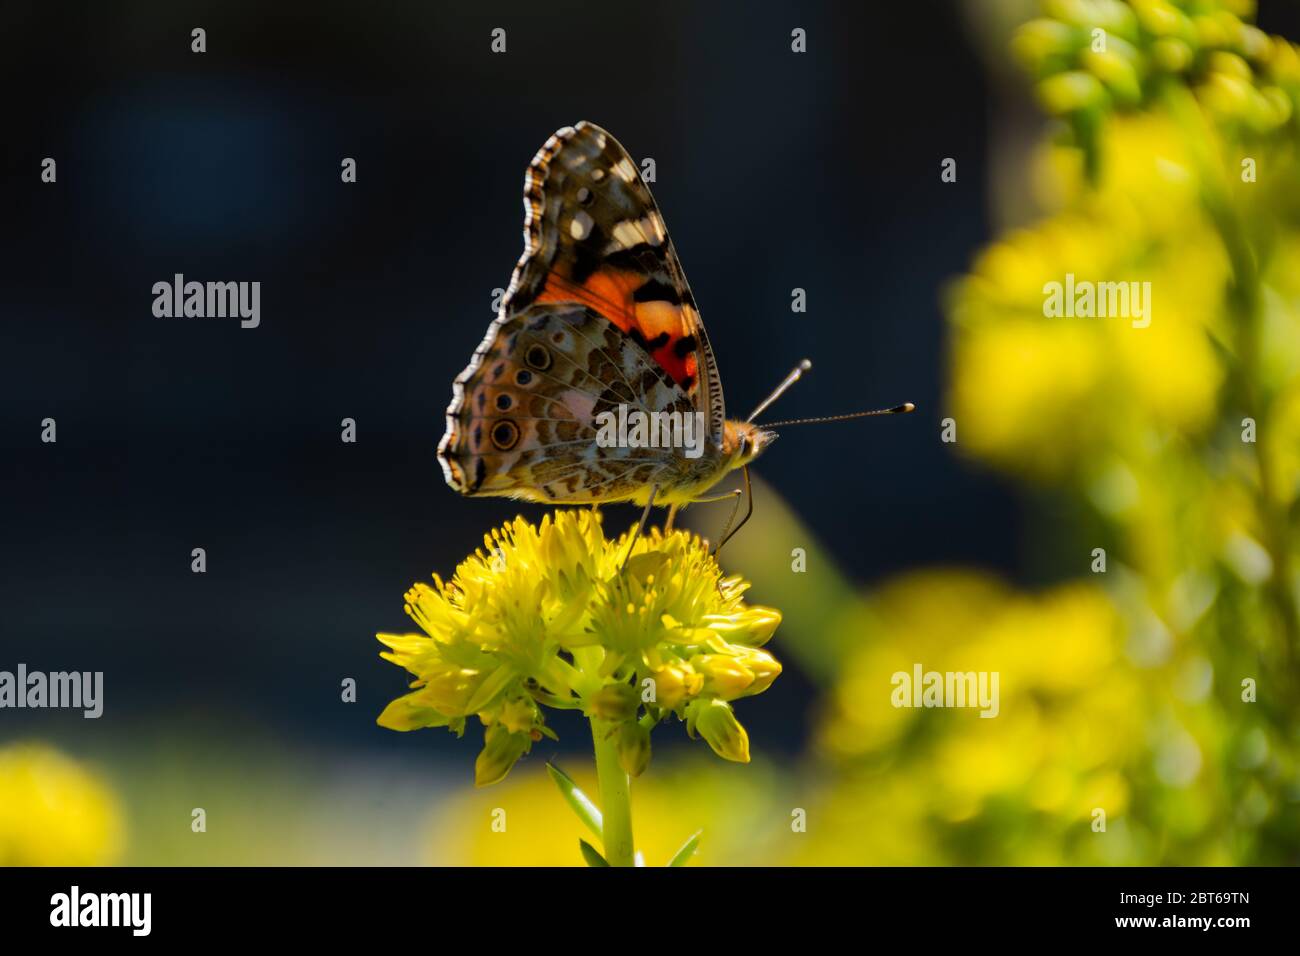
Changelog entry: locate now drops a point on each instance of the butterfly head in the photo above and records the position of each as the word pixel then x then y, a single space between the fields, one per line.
pixel 742 442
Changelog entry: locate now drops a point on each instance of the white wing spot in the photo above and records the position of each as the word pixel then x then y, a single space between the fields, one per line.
pixel 580 226
pixel 626 170
pixel 628 234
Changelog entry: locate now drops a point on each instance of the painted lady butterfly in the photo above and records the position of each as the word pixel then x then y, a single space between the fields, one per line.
pixel 598 315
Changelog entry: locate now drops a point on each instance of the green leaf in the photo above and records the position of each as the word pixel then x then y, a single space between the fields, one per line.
pixel 587 811
pixel 687 851
pixel 589 854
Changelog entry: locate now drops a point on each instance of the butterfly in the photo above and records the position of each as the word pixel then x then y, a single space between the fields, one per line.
pixel 598 321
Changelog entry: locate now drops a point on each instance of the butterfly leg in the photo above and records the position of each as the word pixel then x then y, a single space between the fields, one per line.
pixel 731 495
pixel 672 513
pixel 645 516
pixel 729 532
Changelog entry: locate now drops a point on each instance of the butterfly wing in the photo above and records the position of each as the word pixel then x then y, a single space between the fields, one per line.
pixel 593 234
pixel 526 427
pixel 598 313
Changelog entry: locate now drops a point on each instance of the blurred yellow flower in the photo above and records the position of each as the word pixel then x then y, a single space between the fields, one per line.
pixel 1066 728
pixel 744 812
pixel 1050 396
pixel 1127 728
pixel 1089 58
pixel 55 812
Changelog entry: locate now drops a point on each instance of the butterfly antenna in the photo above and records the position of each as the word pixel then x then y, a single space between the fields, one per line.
pixel 896 410
pixel 796 373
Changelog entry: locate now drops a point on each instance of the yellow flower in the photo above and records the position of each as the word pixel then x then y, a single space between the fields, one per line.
pixel 1047 753
pixel 556 614
pixel 743 811
pixel 1051 394
pixel 54 812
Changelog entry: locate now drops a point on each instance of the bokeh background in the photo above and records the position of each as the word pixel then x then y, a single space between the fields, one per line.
pixel 775 170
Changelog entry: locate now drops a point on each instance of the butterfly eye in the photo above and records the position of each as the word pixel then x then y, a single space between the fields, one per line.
pixel 538 357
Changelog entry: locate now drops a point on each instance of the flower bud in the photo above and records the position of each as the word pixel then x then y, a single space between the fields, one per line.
pixel 1229 64
pixel 743 672
pixel 1171 55
pixel 674 683
pixel 763 666
pixel 633 747
pixel 753 627
pixel 715 721
pixel 501 749
pixel 1217 30
pixel 724 676
pixel 1067 92
pixel 1117 73
pixel 613 702
pixel 1163 19
pixel 1043 42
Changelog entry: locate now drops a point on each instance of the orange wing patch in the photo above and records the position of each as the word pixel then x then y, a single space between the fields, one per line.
pixel 662 328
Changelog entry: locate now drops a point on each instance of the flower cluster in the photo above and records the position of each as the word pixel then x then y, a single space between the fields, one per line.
pixel 1051 397
pixel 556 615
pixel 1180 193
pixel 1174 447
pixel 934 786
pixel 1089 57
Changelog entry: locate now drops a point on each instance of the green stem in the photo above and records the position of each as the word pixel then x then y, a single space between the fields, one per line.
pixel 615 797
pixel 1245 303
pixel 1245 300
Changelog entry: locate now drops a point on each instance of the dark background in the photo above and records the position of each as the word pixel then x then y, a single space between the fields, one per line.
pixel 775 170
